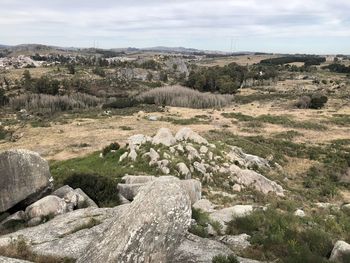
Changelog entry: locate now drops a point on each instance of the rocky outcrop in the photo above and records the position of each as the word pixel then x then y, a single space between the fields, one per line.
pixel 247 160
pixel 253 179
pixel 340 251
pixel 149 230
pixel 164 136
pixel 187 134
pixel 24 176
pixel 130 190
pixel 235 243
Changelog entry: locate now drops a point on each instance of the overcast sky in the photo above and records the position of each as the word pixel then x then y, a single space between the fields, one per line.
pixel 293 26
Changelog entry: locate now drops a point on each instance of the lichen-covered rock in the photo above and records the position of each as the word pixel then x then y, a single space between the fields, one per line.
pixel 187 134
pixel 138 179
pixel 165 137
pixel 23 175
pixel 149 231
pixel 247 160
pixel 340 251
pixel 204 205
pixel 48 206
pixel 67 235
pixel 183 170
pixel 259 182
pixel 12 260
pixel 235 243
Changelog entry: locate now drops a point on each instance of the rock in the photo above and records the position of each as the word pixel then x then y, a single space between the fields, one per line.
pixel 166 156
pixel 48 206
pixel 154 156
pixel 60 236
pixel 132 155
pixel 63 191
pixel 203 149
pixel 165 137
pixel 204 205
pixel 86 201
pixel 138 179
pixel 299 213
pixel 13 219
pixel 187 134
pixel 192 153
pixel 237 188
pixel 236 243
pixel 247 160
pixel 259 182
pixel 180 148
pixel 346 208
pixel 25 176
pixel 195 249
pixel 123 156
pixel 199 167
pixel 340 250
pixel 193 188
pixel 153 118
pixel 225 215
pixel 137 140
pixel 129 191
pixel 149 231
pixel 12 260
pixel 183 170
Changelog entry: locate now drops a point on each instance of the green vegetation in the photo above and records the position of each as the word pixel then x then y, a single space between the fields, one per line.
pixel 338 68
pixel 314 101
pixel 189 121
pixel 307 59
pixel 340 119
pixel 275 119
pixel 114 146
pixel 202 223
pixel 280 234
pixel 225 259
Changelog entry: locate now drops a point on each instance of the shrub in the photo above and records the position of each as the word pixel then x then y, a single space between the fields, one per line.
pixel 52 104
pixel 315 101
pixel 102 190
pixel 120 103
pixel 3 98
pixel 178 96
pixel 225 259
pixel 113 146
pixel 99 72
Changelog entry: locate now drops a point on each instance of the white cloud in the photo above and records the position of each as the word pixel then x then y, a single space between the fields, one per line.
pixel 193 22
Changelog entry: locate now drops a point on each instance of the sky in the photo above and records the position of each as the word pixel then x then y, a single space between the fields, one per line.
pixel 278 26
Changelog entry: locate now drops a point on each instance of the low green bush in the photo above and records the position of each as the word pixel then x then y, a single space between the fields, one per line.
pixel 114 146
pixel 225 259
pixel 120 103
pixel 102 190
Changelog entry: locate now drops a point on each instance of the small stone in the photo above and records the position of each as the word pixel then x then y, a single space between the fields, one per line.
pixel 203 149
pixel 237 188
pixel 299 213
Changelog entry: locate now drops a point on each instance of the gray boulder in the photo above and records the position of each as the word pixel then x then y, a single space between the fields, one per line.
pixel 24 176
pixel 149 230
pixel 183 170
pixel 48 206
pixel 187 134
pixel 67 235
pixel 235 243
pixel 129 191
pixel 340 251
pixel 247 160
pixel 165 137
pixel 12 260
pixel 259 182
pixel 138 179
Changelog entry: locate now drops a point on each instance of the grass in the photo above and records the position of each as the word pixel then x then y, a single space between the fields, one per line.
pixel 202 223
pixel 225 259
pixel 340 119
pixel 189 121
pixel 125 128
pixel 275 119
pixel 40 124
pixel 246 99
pixel 20 250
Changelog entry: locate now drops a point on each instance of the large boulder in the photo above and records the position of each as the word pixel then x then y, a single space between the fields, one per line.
pixel 165 137
pixel 187 134
pixel 67 235
pixel 247 160
pixel 75 198
pixel 149 231
pixel 24 176
pixel 138 179
pixel 251 178
pixel 50 205
pixel 340 252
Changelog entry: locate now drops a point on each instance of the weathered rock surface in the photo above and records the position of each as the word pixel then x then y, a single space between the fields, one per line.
pixel 204 205
pixel 247 160
pixel 195 249
pixel 75 198
pixel 340 250
pixel 129 191
pixel 24 175
pixel 165 137
pixel 149 231
pixel 12 260
pixel 50 205
pixel 235 243
pixel 259 182
pixel 183 170
pixel 61 237
pixel 138 179
pixel 187 134
pixel 225 215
